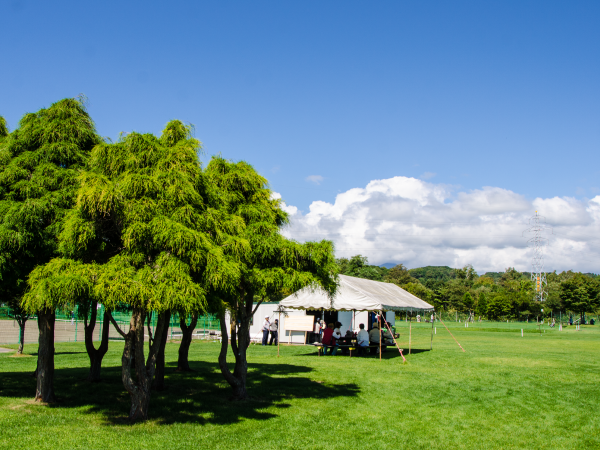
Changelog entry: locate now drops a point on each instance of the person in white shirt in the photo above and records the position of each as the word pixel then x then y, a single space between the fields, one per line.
pixel 317 331
pixel 336 331
pixel 362 338
pixel 265 329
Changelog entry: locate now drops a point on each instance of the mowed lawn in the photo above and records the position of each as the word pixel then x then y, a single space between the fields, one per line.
pixel 506 391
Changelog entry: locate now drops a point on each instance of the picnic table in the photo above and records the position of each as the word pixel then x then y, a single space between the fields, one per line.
pixel 349 347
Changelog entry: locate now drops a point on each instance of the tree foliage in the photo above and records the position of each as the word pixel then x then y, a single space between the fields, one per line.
pixel 40 162
pixel 269 263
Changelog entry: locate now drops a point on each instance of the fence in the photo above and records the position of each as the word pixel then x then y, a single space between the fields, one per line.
pixel 460 317
pixel 70 328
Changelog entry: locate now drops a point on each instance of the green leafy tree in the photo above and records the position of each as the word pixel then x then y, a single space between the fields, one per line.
pixel 39 165
pixel 141 205
pixel 358 266
pixel 468 301
pixel 481 305
pixel 399 275
pixel 498 306
pixel 270 263
pixel 580 294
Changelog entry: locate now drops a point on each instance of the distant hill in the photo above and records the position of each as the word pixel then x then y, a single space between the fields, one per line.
pixel 389 265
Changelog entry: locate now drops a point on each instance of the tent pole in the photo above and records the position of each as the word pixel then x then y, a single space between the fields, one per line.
pixel 432 321
pixel 379 322
pixel 409 332
pixel 278 328
pixel 395 342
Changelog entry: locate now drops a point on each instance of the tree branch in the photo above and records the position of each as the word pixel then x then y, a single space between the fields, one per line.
pixel 114 322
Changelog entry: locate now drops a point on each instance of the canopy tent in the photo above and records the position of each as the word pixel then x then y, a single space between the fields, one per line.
pixel 357 294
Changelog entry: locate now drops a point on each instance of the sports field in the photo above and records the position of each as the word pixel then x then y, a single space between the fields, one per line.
pixel 506 391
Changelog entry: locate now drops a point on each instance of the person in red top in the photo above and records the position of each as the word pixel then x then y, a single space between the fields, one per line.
pixel 328 340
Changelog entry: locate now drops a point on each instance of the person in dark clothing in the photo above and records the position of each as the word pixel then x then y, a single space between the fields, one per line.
pixel 274 328
pixel 329 340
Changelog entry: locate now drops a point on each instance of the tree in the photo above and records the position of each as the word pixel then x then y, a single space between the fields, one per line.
pixel 39 165
pixel 269 262
pixel 468 301
pixel 142 206
pixel 481 306
pixel 498 306
pixel 358 266
pixel 580 294
pixel 399 275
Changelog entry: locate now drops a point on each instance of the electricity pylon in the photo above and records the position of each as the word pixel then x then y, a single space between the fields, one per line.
pixel 537 226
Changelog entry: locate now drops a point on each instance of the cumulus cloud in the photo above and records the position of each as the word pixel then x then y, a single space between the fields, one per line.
pixel 292 210
pixel 315 179
pixel 418 223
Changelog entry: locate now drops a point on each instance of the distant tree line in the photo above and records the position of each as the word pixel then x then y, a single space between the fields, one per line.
pixel 494 295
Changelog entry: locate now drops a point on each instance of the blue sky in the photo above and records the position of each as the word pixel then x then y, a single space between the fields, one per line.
pixel 323 97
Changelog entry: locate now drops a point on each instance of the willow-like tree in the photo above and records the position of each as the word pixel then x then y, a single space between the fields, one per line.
pixel 142 204
pixel 11 292
pixel 270 263
pixel 39 165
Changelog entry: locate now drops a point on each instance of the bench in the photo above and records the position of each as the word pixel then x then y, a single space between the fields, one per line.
pixel 351 348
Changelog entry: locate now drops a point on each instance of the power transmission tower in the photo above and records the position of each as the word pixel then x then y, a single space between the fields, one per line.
pixel 537 226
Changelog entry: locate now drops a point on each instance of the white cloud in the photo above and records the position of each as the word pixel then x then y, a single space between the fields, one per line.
pixel 315 179
pixel 291 210
pixel 417 223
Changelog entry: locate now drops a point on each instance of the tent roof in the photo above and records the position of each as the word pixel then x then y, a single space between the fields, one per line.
pixel 358 294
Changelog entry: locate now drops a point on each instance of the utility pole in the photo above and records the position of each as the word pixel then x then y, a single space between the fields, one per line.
pixel 537 226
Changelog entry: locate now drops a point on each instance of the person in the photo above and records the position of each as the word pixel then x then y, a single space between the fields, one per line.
pixel 337 333
pixel 273 329
pixel 329 340
pixel 388 339
pixel 374 336
pixel 317 331
pixel 362 339
pixel 265 329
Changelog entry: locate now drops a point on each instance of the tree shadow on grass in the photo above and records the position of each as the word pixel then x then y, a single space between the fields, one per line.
pixel 390 353
pixel 200 397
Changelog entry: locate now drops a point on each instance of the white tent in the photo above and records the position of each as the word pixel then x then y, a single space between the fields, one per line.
pixel 358 294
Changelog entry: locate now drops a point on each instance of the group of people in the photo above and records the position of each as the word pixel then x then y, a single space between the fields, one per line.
pixel 270 328
pixel 364 338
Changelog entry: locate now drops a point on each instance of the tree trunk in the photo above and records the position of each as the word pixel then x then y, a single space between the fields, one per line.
pixel 159 374
pixel 45 367
pixel 96 355
pixel 239 340
pixel 21 335
pixel 139 390
pixel 186 339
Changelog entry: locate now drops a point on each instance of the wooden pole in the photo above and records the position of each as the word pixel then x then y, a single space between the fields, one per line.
pixel 379 323
pixel 432 322
pixel 409 332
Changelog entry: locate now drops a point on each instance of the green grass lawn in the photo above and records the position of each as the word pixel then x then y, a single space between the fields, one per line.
pixel 506 391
